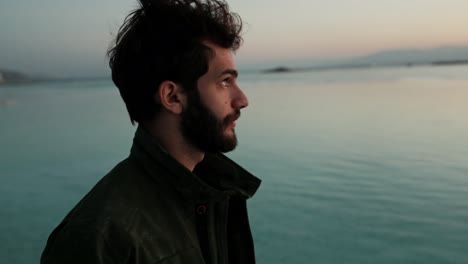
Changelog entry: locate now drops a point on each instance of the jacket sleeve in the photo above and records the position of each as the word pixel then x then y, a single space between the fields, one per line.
pixel 78 245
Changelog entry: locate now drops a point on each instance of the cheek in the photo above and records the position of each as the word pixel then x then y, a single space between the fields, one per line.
pixel 228 99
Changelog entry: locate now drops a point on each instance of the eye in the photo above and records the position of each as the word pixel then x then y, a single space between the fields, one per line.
pixel 227 81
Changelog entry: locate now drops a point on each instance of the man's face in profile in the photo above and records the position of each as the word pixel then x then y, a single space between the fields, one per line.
pixel 208 121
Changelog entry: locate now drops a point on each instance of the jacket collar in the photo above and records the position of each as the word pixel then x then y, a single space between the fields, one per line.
pixel 213 178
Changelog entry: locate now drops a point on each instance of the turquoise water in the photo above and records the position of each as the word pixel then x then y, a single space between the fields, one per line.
pixel 358 166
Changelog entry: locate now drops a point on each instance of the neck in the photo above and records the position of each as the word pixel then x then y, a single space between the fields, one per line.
pixel 171 139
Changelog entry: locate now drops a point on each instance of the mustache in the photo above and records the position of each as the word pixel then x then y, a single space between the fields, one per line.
pixel 231 117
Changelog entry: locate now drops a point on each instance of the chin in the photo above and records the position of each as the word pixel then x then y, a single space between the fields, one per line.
pixel 230 143
pixel 231 130
pixel 230 135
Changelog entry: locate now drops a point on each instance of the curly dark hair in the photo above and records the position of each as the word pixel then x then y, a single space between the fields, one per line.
pixel 163 40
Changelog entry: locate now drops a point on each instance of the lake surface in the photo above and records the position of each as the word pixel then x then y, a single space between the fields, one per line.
pixel 358 166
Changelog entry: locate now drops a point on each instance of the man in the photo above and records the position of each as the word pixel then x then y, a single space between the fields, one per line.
pixel 176 198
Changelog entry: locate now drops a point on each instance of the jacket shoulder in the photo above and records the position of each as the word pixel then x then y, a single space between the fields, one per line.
pixel 127 212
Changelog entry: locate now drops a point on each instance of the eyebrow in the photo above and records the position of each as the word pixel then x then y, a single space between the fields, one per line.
pixel 230 71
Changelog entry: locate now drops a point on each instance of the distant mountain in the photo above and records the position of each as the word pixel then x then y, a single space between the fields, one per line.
pixel 9 76
pixel 448 55
pixel 415 56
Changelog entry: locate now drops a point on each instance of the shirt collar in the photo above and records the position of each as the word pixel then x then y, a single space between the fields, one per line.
pixel 214 177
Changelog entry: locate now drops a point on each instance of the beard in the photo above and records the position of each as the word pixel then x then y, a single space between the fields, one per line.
pixel 204 130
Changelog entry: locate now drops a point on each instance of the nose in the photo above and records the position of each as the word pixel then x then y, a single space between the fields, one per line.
pixel 241 100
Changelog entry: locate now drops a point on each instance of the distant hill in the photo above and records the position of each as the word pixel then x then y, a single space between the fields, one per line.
pixel 9 76
pixel 415 56
pixel 449 55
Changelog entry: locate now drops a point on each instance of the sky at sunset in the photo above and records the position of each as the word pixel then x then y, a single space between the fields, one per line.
pixel 62 38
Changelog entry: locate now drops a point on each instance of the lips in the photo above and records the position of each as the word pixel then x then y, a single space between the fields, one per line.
pixel 230 120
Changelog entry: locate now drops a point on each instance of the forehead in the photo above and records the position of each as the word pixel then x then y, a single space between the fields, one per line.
pixel 221 59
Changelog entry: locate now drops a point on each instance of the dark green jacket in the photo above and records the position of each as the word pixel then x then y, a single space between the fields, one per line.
pixel 151 209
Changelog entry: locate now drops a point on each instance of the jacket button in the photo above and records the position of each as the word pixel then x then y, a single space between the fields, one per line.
pixel 201 209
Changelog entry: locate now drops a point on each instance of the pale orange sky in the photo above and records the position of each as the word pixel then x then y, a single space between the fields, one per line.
pixel 350 27
pixel 65 38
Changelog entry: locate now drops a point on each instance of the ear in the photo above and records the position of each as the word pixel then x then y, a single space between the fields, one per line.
pixel 171 96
